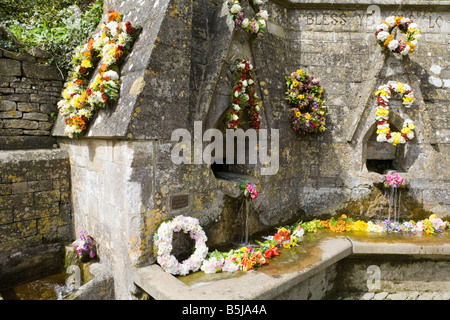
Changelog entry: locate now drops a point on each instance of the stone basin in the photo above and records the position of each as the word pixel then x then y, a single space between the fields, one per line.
pixel 309 271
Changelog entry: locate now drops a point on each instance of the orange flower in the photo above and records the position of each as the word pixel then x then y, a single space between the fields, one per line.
pixel 389 39
pixel 103 67
pixel 113 16
pixel 398 20
pixel 90 44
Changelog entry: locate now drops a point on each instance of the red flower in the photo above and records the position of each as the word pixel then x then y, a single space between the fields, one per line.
pixel 271 252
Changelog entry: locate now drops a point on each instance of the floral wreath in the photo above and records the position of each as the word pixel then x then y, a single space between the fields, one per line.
pixel 163 245
pixel 384 133
pixel 256 24
pixel 386 40
pixel 309 110
pixel 244 97
pixel 111 43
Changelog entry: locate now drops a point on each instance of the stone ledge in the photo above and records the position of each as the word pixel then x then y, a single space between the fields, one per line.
pixel 280 276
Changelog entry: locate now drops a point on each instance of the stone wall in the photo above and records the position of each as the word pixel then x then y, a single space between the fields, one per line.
pixel 35 213
pixel 29 91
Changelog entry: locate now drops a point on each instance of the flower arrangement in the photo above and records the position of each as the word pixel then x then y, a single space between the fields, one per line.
pixel 384 133
pixel 244 97
pixel 248 258
pixel 248 190
pixel 80 100
pixel 386 40
pixel 163 245
pixel 394 180
pixel 304 94
pixel 431 225
pixel 255 25
pixel 84 246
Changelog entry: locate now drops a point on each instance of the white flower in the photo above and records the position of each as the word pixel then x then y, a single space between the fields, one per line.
pixel 257 2
pixel 264 14
pixel 235 117
pixel 383 26
pixel 410 135
pixel 383 35
pixel 245 23
pixel 235 8
pixel 244 83
pixel 413 26
pixel 111 74
pixel 390 20
pixel 236 107
pixel 393 45
pixel 381 137
pixel 405 51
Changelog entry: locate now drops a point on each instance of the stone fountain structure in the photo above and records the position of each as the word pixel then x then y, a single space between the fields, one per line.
pixel 124 184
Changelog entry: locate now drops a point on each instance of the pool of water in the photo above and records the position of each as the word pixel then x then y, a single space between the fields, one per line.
pixel 50 287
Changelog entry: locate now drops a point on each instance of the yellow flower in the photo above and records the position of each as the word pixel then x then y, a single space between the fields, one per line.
pixel 400 87
pixel 300 96
pixel 384 130
pixel 412 126
pixel 382 112
pixel 298 114
pixel 299 71
pixel 408 99
pixel 286 245
pixel 321 128
pixel 86 63
pixel 406 130
pixel 243 249
pixel 360 225
pixel 432 217
pixel 382 92
pixel 295 83
pixel 307 116
pixel 344 216
pixel 396 138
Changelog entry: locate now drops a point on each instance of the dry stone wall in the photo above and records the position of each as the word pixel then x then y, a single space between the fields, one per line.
pixel 29 92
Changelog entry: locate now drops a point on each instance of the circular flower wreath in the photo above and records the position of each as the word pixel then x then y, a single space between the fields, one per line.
pixel 256 24
pixel 309 110
pixel 80 101
pixel 386 40
pixel 244 97
pixel 384 133
pixel 163 245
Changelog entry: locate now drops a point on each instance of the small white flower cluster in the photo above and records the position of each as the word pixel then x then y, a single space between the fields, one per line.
pixel 163 245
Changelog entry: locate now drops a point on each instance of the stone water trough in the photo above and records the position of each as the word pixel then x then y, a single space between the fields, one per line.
pixel 324 266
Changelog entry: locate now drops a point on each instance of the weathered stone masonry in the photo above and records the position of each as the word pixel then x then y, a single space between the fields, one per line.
pixel 35 195
pixel 29 92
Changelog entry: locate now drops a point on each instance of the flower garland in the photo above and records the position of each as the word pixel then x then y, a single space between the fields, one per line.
pixel 244 97
pixel 248 258
pixel 163 245
pixel 256 24
pixel 80 101
pixel 384 133
pixel 304 93
pixel 386 40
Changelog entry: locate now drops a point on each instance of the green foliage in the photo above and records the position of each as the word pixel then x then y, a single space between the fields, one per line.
pixel 56 26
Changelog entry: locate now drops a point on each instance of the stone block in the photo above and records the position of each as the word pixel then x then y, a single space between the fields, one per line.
pixel 40 71
pixel 6 105
pixel 10 115
pixel 21 124
pixel 27 106
pixel 35 116
pixel 10 67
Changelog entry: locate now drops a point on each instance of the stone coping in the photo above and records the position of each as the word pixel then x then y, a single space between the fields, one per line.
pixel 313 255
pixel 366 2
pixel 32 155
